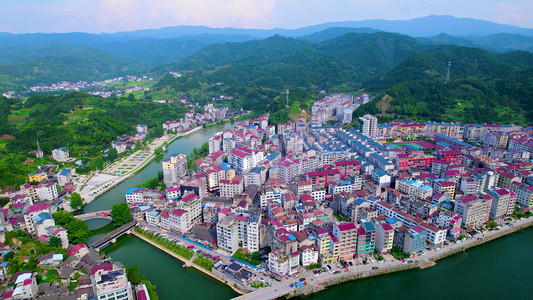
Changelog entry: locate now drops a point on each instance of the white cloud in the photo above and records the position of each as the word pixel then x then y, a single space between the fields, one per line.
pixel 134 14
pixel 119 15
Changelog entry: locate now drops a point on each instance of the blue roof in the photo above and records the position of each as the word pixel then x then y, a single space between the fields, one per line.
pixel 225 166
pixel 369 226
pixel 131 190
pixel 380 172
pixel 64 172
pixel 290 236
pixel 41 217
pixel 154 213
pixel 57 257
pixel 426 188
pixel 144 207
pixel 359 201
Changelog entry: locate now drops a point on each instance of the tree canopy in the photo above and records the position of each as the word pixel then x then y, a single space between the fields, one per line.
pixel 121 214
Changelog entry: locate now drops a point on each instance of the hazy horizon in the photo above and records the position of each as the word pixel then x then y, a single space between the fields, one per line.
pixel 109 16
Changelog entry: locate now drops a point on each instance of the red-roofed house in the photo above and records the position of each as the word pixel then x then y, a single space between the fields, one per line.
pixel 384 237
pixel 179 220
pixel 346 233
pixel 320 179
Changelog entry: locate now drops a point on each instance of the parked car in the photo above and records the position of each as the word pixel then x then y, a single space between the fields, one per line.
pixel 375 268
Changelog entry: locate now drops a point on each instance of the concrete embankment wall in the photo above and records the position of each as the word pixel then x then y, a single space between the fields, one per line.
pixel 218 277
pixel 306 290
pixel 494 235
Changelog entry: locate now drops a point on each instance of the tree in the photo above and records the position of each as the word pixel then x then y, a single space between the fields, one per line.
pixel 78 231
pixel 133 274
pixel 98 163
pixel 158 150
pixel 62 218
pixel 121 214
pixel 112 154
pixel 76 201
pixel 54 241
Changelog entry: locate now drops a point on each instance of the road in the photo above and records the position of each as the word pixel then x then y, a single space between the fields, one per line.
pixel 279 289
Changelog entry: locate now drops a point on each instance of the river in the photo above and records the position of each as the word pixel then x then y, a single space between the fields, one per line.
pixel 496 270
pixel 167 273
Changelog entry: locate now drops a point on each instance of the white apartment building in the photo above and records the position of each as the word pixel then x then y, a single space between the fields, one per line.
pixel 230 187
pixel 179 220
pixel 473 210
pixel 46 191
pixel 524 195
pixel 368 125
pixel 228 233
pixel 174 167
pixel 110 282
pixel 413 188
pixel 192 205
pixel 60 154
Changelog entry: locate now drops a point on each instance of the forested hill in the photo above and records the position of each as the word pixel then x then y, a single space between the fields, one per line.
pixel 483 87
pixel 60 63
pixel 277 62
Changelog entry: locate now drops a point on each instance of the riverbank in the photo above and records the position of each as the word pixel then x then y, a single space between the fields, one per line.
pixel 187 263
pixel 101 182
pixel 282 289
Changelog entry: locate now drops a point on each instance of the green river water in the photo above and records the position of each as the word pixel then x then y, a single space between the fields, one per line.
pixel 500 269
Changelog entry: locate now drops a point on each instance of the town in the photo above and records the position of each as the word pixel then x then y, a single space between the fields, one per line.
pixel 271 207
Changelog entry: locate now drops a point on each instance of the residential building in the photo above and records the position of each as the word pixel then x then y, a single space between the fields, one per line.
pixel 366 239
pixel 174 167
pixel 60 154
pixel 502 204
pixel 384 237
pixel 346 234
pixel 368 125
pixel 230 187
pixel 473 210
pixel 524 196
pixel 110 282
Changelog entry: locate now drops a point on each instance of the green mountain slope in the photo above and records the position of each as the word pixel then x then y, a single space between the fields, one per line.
pixel 483 87
pixel 84 64
pixel 341 63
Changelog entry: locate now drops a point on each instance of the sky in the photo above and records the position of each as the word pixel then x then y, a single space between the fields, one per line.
pixel 93 16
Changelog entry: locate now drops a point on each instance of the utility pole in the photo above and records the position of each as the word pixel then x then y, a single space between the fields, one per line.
pixel 448 73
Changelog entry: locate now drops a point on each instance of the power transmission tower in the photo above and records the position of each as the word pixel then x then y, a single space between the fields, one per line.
pixel 448 74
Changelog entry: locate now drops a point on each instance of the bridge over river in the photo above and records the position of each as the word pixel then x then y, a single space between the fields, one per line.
pixel 103 214
pixel 113 235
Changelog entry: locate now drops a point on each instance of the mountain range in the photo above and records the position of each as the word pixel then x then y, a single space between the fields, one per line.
pixel 170 44
pixel 490 76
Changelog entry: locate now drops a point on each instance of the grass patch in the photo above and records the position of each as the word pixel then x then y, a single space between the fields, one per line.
pixel 178 249
pixel 204 263
pixel 339 218
pixel 252 258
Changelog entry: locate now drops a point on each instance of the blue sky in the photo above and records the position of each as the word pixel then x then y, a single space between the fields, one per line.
pixel 23 16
